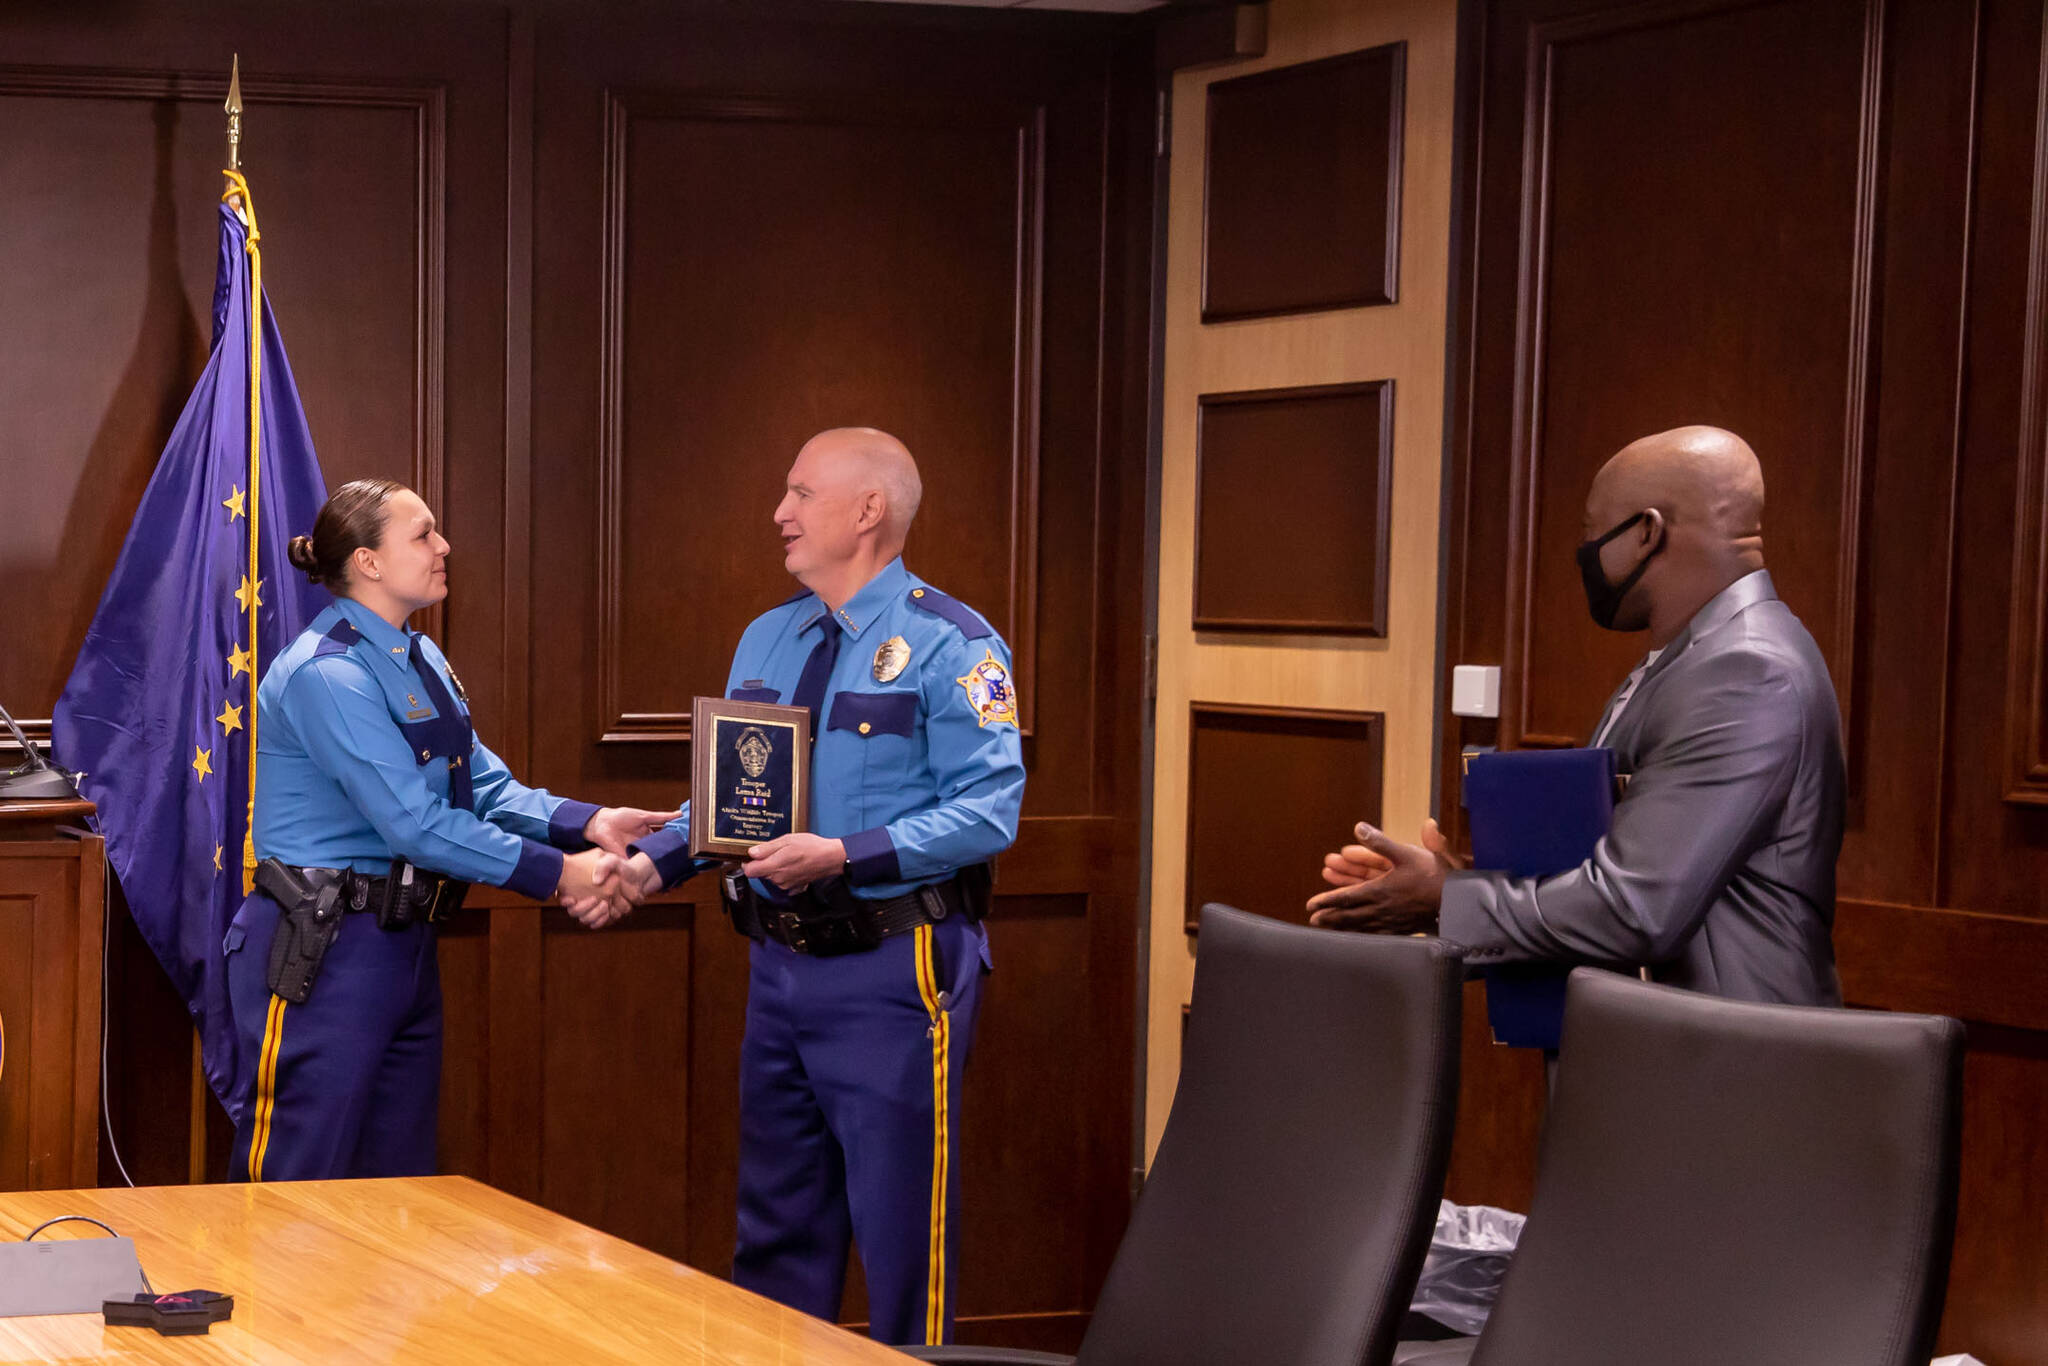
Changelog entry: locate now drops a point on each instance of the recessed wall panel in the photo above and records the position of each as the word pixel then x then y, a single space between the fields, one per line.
pixel 1291 515
pixel 1270 791
pixel 1302 204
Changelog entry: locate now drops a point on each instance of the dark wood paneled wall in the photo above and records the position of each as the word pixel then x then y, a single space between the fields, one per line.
pixel 1819 223
pixel 775 266
pixel 588 279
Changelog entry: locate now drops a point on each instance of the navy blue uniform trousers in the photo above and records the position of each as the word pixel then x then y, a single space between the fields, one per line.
pixel 850 1085
pixel 349 1083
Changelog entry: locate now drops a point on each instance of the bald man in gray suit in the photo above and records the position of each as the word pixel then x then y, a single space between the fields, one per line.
pixel 1718 873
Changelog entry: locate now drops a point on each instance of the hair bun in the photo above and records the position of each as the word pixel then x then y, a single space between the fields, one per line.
pixel 300 552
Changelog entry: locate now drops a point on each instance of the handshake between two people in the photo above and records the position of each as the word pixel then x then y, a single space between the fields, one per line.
pixel 604 883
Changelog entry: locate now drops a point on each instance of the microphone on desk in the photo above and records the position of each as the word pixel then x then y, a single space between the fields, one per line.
pixel 37 777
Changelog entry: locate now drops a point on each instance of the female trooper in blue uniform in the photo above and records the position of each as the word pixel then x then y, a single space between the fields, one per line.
pixel 375 807
pixel 868 953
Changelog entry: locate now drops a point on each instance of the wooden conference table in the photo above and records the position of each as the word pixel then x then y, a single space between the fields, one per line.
pixel 427 1269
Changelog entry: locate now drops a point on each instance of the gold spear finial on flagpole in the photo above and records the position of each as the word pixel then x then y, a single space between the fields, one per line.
pixel 234 108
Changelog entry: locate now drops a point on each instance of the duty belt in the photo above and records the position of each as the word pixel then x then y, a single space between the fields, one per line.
pixel 312 901
pixel 405 895
pixel 828 919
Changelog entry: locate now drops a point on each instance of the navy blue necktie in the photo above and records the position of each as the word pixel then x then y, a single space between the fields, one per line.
pixel 810 685
pixel 448 735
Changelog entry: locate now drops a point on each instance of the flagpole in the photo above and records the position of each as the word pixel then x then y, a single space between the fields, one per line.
pixel 238 189
pixel 234 108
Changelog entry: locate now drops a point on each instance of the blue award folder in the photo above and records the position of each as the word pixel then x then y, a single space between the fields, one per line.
pixel 1534 813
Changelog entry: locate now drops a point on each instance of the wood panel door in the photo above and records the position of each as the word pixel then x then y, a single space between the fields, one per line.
pixel 750 228
pixel 1819 223
pixel 1301 457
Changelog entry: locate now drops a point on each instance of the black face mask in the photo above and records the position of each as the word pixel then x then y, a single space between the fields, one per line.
pixel 1603 599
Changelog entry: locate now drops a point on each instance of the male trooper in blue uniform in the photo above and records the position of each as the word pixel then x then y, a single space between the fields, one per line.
pixel 857 1030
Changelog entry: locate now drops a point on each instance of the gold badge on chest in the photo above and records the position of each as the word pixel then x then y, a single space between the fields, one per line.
pixel 892 657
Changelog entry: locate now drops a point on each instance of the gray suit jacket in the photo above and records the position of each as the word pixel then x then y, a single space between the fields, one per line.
pixel 1719 871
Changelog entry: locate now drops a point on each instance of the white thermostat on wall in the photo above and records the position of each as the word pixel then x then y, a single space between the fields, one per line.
pixel 1475 690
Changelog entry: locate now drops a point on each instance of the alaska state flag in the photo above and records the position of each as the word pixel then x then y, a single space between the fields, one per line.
pixel 159 712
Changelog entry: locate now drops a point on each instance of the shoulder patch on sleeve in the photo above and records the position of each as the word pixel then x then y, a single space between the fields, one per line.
pixel 951 609
pixel 989 691
pixel 338 638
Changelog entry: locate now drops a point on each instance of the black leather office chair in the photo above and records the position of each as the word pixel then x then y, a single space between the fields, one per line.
pixel 1290 1204
pixel 1723 1183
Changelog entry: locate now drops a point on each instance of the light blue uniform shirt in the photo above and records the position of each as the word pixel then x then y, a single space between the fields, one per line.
pixel 339 784
pixel 921 774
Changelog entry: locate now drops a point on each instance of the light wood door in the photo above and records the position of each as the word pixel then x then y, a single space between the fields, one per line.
pixel 1302 455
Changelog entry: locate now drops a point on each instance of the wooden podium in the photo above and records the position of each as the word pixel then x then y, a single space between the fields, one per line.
pixel 53 878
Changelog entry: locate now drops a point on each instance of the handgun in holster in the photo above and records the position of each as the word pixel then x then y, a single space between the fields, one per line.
pixel 311 903
pixel 977 887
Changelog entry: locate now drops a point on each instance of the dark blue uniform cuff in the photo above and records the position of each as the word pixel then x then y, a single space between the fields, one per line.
pixel 871 857
pixel 565 827
pixel 670 851
pixel 538 872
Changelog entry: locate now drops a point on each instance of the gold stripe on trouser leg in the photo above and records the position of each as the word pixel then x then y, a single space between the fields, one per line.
pixel 266 1087
pixel 941 1032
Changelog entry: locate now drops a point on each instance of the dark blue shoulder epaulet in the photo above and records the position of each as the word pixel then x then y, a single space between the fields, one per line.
pixel 338 638
pixel 951 609
pixel 797 596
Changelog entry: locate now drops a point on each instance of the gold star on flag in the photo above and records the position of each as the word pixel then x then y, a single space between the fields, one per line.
pixel 230 718
pixel 216 857
pixel 243 594
pixel 233 502
pixel 202 762
pixel 239 662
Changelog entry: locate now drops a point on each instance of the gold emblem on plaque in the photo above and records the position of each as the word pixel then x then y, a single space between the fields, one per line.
pixel 892 657
pixel 753 750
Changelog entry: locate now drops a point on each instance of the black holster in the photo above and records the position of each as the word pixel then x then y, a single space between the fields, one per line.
pixel 976 884
pixel 742 906
pixel 311 902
